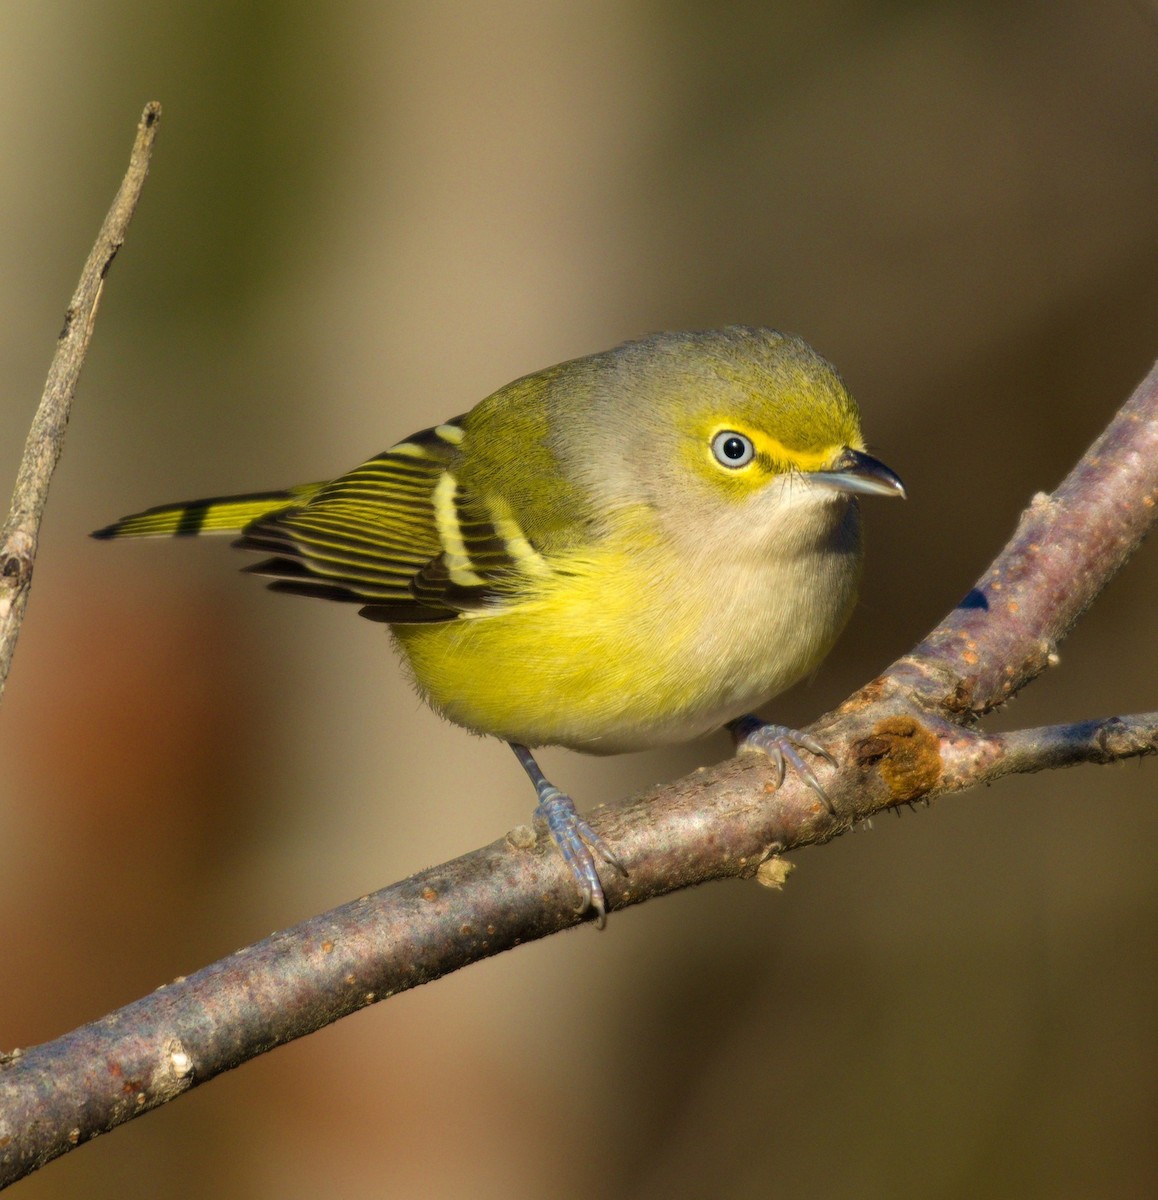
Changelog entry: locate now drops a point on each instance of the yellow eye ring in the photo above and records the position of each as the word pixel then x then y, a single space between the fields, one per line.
pixel 732 450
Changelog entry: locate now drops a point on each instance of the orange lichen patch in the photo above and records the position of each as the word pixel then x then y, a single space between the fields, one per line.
pixel 907 755
pixel 428 893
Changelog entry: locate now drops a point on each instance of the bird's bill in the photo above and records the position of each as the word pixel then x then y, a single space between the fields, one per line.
pixel 855 471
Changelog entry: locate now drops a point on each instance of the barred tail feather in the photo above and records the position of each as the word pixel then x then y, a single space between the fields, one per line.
pixel 217 514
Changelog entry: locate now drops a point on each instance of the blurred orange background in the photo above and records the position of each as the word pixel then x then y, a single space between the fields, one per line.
pixel 362 218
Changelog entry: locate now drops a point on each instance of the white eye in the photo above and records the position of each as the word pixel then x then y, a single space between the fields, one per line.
pixel 732 449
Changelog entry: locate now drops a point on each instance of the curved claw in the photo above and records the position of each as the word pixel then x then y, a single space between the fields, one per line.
pixel 780 743
pixel 575 840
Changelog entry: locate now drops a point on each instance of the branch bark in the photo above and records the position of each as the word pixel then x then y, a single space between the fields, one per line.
pixel 913 733
pixel 18 539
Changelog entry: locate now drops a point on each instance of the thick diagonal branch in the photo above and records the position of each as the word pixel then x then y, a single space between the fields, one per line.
pixel 1067 547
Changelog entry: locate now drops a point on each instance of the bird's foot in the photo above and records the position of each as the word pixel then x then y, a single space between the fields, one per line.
pixel 573 836
pixel 576 840
pixel 782 745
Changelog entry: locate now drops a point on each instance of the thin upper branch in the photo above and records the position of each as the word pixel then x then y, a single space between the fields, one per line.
pixel 18 539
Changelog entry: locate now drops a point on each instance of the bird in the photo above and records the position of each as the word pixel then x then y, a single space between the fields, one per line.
pixel 625 550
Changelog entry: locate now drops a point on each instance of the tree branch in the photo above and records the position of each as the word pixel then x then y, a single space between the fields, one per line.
pixel 910 734
pixel 18 539
pixel 1067 547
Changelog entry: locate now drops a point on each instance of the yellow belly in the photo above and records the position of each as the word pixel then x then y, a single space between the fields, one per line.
pixel 635 650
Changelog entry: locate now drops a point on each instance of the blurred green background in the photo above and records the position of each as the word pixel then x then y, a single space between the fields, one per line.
pixel 361 219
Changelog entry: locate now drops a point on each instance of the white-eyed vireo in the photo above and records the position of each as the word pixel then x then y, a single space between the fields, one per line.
pixel 618 552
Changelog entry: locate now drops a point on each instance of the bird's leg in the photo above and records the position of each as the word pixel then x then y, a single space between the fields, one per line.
pixel 572 835
pixel 780 744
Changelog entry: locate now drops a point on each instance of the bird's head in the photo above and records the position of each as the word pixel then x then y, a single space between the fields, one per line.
pixel 745 432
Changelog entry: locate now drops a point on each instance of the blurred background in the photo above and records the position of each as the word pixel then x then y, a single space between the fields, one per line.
pixel 364 217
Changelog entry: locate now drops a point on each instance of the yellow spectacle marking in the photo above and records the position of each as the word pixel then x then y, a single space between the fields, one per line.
pixel 770 448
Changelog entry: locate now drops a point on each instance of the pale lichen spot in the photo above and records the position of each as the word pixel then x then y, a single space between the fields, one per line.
pixel 180 1061
pixel 522 837
pixel 773 872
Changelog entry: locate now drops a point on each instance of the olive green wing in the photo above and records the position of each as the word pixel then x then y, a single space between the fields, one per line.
pixel 399 535
pixel 422 532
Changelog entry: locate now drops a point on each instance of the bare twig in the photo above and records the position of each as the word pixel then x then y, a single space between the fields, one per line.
pixel 980 759
pixel 910 734
pixel 18 540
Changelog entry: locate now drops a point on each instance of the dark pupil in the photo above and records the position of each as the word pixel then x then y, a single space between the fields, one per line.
pixel 734 448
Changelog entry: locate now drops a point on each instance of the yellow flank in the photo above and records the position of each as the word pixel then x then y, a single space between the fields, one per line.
pixel 629 644
pixel 563 664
